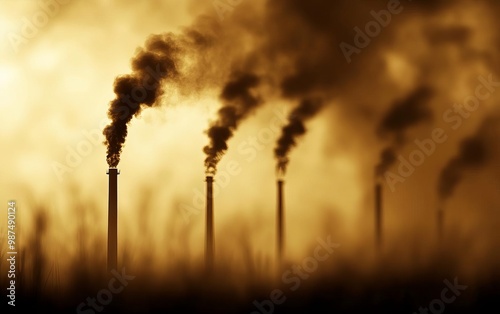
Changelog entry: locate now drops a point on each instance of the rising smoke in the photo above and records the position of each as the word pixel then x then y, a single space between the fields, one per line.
pixel 295 127
pixel 239 100
pixel 302 50
pixel 297 43
pixel 195 61
pixel 151 67
pixel 184 62
pixel 474 152
pixel 402 115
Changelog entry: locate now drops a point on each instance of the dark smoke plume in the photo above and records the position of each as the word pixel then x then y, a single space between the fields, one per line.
pixel 403 114
pixel 407 112
pixel 239 100
pixel 191 62
pixel 154 64
pixel 474 153
pixel 307 109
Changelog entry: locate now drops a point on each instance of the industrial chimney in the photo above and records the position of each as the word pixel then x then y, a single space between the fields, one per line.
pixel 378 213
pixel 209 245
pixel 279 221
pixel 113 219
pixel 280 214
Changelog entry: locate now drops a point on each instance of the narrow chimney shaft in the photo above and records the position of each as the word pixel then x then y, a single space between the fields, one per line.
pixel 378 215
pixel 113 219
pixel 209 246
pixel 279 222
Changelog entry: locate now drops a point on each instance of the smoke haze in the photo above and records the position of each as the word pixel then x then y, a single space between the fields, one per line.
pixel 229 87
pixel 239 101
pixel 403 115
pixel 293 129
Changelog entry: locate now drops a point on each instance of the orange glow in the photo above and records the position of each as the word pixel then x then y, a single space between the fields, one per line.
pixel 56 89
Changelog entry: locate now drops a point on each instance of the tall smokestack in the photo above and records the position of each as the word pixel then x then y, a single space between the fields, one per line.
pixel 378 215
pixel 113 219
pixel 280 222
pixel 209 246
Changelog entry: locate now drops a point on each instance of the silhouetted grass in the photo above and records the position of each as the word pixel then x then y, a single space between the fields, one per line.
pixel 57 282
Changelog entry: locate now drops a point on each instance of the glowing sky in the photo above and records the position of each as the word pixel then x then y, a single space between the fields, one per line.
pixel 56 87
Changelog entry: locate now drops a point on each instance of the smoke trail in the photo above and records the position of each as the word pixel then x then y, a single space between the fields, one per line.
pixel 152 65
pixel 193 61
pixel 239 100
pixel 387 158
pixel 473 153
pixel 404 114
pixel 307 109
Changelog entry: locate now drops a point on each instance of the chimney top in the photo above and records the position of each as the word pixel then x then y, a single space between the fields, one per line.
pixel 113 171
